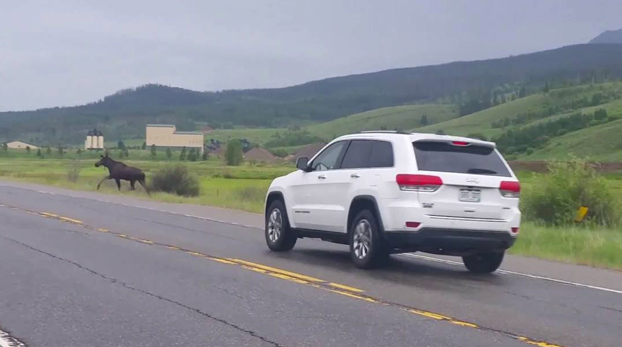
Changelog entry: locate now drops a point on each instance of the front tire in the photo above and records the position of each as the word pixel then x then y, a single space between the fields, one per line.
pixel 367 249
pixel 279 235
pixel 483 263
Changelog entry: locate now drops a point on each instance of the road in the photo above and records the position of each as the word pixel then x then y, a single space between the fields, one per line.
pixel 87 269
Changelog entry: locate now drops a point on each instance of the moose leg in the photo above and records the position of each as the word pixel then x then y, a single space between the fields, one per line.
pixel 132 182
pixel 118 183
pixel 102 181
pixel 142 183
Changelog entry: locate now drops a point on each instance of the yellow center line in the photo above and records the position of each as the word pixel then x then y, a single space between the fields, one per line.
pixel 70 220
pixel 299 278
pixel 273 269
pixel 342 286
pixel 360 297
pixel 224 261
pixel 288 278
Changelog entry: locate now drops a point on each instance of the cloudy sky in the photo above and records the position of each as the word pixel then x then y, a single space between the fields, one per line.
pixel 69 52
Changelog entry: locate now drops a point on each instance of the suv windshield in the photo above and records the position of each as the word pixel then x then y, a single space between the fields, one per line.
pixel 445 157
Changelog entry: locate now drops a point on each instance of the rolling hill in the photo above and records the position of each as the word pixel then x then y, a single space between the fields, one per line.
pixel 533 108
pixel 124 114
pixel 602 143
pixel 609 36
pixel 397 117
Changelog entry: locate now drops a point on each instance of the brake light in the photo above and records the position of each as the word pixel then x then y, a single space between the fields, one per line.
pixel 412 224
pixel 510 189
pixel 460 143
pixel 515 230
pixel 420 183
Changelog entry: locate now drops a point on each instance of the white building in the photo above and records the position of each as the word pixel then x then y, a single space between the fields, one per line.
pixel 166 135
pixel 94 140
pixel 20 145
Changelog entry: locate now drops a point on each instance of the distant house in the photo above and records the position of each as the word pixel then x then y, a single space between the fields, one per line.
pixel 20 145
pixel 166 135
pixel 260 155
pixel 94 140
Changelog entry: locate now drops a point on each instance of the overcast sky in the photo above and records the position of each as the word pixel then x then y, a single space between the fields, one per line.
pixel 69 52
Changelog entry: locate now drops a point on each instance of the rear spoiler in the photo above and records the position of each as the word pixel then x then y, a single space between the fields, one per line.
pixel 460 142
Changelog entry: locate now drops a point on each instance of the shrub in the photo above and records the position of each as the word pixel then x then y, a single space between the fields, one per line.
pixel 557 195
pixel 175 179
pixel 73 171
pixel 233 154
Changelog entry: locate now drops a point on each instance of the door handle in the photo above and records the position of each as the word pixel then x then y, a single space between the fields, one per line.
pixel 355 175
pixel 321 177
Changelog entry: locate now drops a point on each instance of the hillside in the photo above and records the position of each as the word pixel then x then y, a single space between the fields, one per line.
pixel 602 142
pixel 124 114
pixel 491 122
pixel 609 36
pixel 398 117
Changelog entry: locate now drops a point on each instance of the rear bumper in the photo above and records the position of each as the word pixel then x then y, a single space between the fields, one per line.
pixel 449 241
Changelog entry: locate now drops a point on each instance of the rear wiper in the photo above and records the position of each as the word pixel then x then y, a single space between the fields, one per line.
pixel 482 171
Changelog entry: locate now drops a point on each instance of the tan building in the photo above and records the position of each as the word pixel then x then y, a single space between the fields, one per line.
pixel 20 145
pixel 94 140
pixel 165 135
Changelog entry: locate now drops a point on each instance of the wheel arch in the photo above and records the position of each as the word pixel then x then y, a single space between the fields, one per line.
pixel 272 197
pixel 362 202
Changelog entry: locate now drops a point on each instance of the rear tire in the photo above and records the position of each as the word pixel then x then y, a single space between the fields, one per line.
pixel 367 249
pixel 483 263
pixel 279 236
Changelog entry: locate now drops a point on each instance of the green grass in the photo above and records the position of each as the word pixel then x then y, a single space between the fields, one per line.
pixel 400 117
pixel 481 122
pixel 244 188
pixel 602 143
pixel 592 246
pixel 240 187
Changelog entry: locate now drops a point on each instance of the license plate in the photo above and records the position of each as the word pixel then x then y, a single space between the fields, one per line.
pixel 470 195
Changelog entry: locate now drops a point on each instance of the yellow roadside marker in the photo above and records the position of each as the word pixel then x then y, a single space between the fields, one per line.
pixel 581 213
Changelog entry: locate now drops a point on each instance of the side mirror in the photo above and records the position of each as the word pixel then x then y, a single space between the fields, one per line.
pixel 302 163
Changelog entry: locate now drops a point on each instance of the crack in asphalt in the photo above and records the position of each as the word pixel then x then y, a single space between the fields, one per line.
pixel 127 286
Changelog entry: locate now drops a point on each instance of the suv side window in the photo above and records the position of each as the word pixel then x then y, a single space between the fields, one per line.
pixel 381 154
pixel 329 158
pixel 358 154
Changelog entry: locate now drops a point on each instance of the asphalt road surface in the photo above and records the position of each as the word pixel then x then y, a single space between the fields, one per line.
pixel 85 269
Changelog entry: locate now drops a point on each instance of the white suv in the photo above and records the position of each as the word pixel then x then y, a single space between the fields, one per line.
pixel 389 192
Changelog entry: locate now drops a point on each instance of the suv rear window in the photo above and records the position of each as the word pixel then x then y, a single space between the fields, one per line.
pixel 445 157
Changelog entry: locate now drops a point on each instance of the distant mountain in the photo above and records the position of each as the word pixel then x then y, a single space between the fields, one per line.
pixel 609 36
pixel 124 114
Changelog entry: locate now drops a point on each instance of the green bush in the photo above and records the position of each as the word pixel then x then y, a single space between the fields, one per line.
pixel 556 196
pixel 175 179
pixel 234 155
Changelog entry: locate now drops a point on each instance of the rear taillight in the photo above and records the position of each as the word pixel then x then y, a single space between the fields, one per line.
pixel 460 143
pixel 419 183
pixel 510 189
pixel 412 224
pixel 515 230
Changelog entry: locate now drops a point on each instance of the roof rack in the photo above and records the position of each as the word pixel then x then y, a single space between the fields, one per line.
pixel 384 132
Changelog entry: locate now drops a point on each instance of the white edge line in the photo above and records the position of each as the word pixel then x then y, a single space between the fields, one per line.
pixel 508 272
pixel 417 256
pixel 7 340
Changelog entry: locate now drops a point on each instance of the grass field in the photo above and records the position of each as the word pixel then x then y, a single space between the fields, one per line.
pixel 481 122
pixel 244 188
pixel 602 142
pixel 399 117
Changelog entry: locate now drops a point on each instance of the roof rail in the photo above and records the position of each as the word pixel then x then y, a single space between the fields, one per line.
pixel 384 132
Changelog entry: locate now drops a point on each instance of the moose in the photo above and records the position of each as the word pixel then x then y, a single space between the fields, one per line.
pixel 119 171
